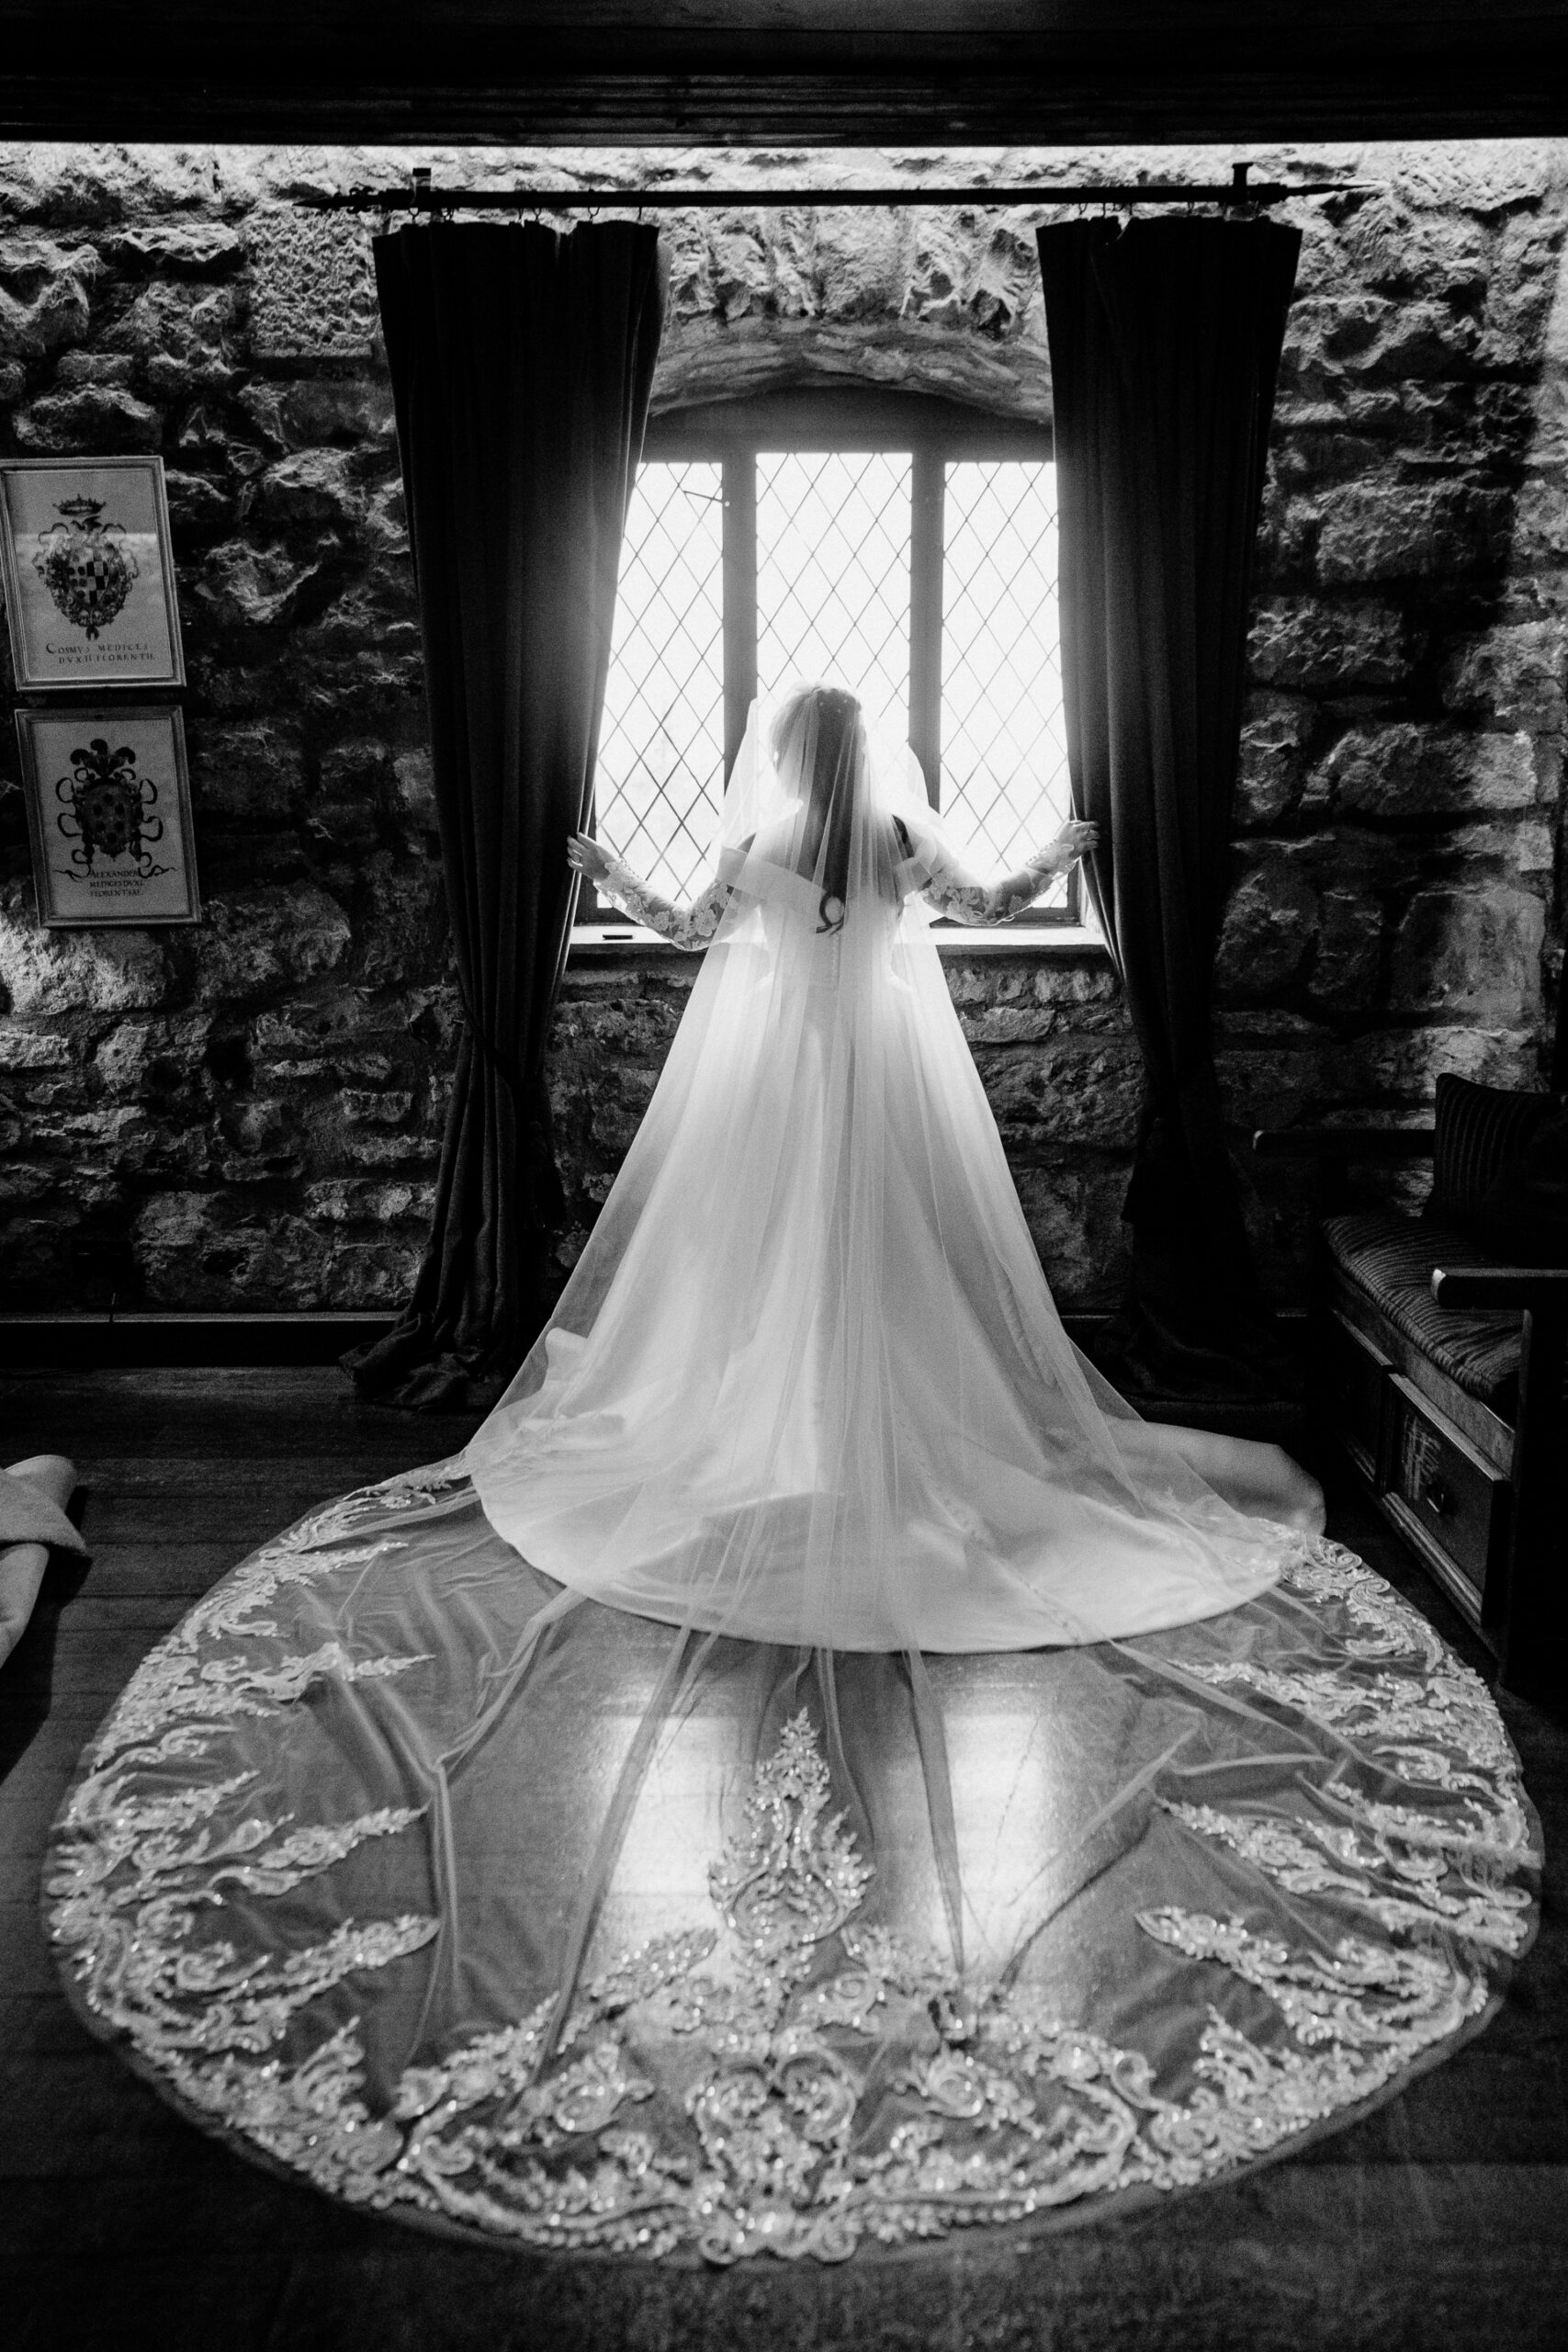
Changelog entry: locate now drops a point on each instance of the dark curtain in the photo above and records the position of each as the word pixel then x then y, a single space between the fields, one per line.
pixel 1165 347
pixel 520 363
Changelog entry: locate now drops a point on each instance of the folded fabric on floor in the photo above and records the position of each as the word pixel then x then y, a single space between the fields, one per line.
pixel 474 1902
pixel 33 1494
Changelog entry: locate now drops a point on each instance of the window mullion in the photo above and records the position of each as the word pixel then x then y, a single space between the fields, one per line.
pixel 740 597
pixel 928 492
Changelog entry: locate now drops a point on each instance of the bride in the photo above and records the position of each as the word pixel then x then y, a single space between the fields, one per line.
pixel 975 1805
pixel 808 1383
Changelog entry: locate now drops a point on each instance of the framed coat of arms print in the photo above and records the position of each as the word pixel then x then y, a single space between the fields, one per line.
pixel 108 811
pixel 89 577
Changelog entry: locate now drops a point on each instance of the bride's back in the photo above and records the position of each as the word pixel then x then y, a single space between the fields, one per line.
pixel 832 830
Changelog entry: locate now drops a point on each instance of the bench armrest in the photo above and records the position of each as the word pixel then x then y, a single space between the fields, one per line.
pixel 1500 1286
pixel 1344 1143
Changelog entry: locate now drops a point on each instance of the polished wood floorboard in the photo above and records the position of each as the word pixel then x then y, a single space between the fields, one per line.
pixel 1437 2224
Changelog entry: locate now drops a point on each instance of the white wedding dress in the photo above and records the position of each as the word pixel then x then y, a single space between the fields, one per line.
pixel 961 1814
pixel 808 1383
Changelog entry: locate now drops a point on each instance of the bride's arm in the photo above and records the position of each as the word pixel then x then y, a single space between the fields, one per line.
pixel 690 927
pixel 969 900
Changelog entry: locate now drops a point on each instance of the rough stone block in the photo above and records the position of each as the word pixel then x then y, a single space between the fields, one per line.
pixel 1268 1086
pixel 1404 1064
pixel 98 416
pixel 1512 677
pixel 47 973
pixel 178 248
pixel 396 1151
pixel 30 1049
pixel 1428 339
pixel 1409 772
pixel 416 785
pixel 258 941
pixel 1539 540
pixel 1275 738
pixel 1376 531
pixel 1402 252
pixel 198 508
pixel 1345 972
pixel 380 1107
pixel 400 931
pixel 1062 1093
pixel 1075 1219
pixel 312 289
pixel 183 335
pixel 45 298
pixel 313 489
pixel 1329 647
pixel 363 1274
pixel 1268 931
pixel 253 768
pixel 357 1200
pixel 1474 953
pixel 1519 290
pixel 1470 176
pixel 154 1057
pixel 245 587
pixel 200 1250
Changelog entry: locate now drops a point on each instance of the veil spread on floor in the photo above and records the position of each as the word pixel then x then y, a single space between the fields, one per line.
pixel 818 1771
pixel 808 1383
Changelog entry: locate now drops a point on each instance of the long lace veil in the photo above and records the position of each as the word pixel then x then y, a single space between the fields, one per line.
pixel 744 1915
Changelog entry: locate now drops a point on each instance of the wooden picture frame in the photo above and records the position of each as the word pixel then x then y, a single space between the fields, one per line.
pixel 89 574
pixel 107 795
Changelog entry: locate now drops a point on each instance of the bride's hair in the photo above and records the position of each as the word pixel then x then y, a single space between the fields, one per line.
pixel 825 726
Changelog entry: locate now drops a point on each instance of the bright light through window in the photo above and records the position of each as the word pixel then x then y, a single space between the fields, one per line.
pixel 833 575
pixel 660 775
pixel 830 597
pixel 1004 755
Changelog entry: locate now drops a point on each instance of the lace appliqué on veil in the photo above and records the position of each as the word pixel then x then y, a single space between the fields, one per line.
pixel 789 2077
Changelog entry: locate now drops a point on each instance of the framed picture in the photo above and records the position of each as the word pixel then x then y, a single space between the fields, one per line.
pixel 108 811
pixel 89 577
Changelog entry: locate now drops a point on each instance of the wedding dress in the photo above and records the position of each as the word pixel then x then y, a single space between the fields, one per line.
pixel 808 1383
pixel 817 1771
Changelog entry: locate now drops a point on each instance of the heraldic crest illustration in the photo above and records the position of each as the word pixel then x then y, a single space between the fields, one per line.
pixel 85 565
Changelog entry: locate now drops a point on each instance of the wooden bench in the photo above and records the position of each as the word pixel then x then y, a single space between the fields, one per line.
pixel 1441 1371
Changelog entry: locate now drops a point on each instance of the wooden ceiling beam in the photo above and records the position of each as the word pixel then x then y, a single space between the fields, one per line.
pixel 470 73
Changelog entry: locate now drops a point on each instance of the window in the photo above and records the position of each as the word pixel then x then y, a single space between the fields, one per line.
pixel 905 547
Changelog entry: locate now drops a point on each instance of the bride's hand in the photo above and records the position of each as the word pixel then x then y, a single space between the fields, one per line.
pixel 1076 837
pixel 588 857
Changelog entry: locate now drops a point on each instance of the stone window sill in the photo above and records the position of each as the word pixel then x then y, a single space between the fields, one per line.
pixel 633 943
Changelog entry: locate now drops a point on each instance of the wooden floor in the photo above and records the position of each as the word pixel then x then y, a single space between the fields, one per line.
pixel 1440 2221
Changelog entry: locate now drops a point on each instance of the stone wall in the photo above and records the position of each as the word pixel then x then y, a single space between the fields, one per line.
pixel 248 1115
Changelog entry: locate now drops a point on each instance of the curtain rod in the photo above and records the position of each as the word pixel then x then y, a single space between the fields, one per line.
pixel 422 197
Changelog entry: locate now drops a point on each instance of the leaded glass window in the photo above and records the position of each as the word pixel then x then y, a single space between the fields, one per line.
pixel 905 546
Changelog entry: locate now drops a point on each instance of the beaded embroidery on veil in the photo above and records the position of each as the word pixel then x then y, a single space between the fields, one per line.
pixel 734 1917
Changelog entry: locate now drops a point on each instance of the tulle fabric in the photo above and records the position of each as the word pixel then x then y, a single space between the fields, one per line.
pixel 471 1902
pixel 731 1918
pixel 808 1383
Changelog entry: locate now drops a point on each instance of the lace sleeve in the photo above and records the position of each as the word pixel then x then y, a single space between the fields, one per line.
pixel 953 892
pixel 689 927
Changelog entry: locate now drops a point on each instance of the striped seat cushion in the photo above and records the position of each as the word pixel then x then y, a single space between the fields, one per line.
pixel 1391 1259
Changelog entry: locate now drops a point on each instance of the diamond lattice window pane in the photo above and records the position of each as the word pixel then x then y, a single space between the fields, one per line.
pixel 661 774
pixel 1004 759
pixel 833 574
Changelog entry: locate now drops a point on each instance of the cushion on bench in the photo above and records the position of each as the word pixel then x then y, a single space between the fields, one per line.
pixel 1393 1259
pixel 1480 1134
